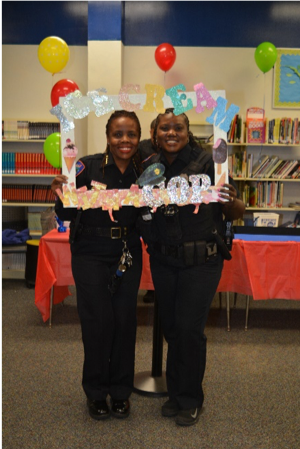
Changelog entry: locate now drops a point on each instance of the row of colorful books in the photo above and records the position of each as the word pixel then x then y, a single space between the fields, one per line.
pixel 262 130
pixel 27 164
pixel 241 165
pixel 283 130
pixel 263 194
pixel 25 130
pixel 16 193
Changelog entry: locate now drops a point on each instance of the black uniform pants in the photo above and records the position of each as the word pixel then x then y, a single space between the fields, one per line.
pixel 184 297
pixel 108 325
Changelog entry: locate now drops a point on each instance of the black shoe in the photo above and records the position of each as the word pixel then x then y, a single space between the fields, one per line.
pixel 149 296
pixel 170 408
pixel 120 409
pixel 98 409
pixel 188 417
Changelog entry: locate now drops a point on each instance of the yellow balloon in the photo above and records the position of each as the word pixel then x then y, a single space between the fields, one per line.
pixel 53 54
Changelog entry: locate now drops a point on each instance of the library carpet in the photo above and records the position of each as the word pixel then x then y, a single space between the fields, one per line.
pixel 251 386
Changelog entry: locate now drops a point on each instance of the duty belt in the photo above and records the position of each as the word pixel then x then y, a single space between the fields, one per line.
pixel 193 253
pixel 112 233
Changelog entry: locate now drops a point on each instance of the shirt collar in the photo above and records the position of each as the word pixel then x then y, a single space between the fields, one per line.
pixel 111 161
pixel 183 155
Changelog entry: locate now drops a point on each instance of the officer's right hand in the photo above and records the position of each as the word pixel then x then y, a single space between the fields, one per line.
pixel 57 183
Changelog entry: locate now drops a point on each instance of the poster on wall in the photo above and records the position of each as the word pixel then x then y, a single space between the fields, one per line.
pixel 287 79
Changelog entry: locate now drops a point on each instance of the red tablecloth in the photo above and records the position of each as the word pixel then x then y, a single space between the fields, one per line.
pixel 264 270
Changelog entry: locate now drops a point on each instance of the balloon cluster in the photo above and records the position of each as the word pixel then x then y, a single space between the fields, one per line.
pixel 53 54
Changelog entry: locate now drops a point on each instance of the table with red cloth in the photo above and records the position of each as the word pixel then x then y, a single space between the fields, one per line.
pixel 261 269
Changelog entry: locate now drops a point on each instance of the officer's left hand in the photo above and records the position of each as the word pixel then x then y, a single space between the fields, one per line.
pixel 227 194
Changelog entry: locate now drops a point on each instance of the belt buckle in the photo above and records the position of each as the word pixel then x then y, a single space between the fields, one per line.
pixel 115 236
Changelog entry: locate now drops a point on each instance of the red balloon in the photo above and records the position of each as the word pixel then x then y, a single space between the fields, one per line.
pixel 165 56
pixel 61 89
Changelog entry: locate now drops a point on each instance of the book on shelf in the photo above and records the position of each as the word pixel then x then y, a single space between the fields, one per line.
pixel 269 167
pixel 264 194
pixel 261 171
pixel 255 125
pixel 259 164
pixel 296 131
pixel 272 168
pixel 276 130
pixel 238 164
pixel 282 169
pixel 275 173
pixel 16 193
pixel 260 129
pixel 27 164
pixel 250 158
pixel 27 130
pixel 290 166
pixel 283 130
pixel 236 130
pixel 245 194
pixel 232 129
pixel 296 173
pixel 252 196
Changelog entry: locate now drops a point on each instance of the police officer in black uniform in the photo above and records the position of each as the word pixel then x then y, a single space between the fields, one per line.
pixel 108 317
pixel 186 258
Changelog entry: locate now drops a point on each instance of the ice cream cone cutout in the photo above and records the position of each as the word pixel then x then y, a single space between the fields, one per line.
pixel 69 154
pixel 219 153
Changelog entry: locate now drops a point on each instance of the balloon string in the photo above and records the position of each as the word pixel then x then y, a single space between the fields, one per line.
pixel 53 74
pixel 264 104
pixel 264 94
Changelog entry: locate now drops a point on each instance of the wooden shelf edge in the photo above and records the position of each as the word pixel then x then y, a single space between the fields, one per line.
pixel 29 204
pixel 13 175
pixel 24 140
pixel 265 179
pixel 277 209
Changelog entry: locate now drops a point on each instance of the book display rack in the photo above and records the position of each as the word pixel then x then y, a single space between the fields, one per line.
pixel 268 172
pixel 26 179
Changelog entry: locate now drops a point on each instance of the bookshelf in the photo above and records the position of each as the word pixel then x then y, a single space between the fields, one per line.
pixel 24 169
pixel 289 188
pixel 270 189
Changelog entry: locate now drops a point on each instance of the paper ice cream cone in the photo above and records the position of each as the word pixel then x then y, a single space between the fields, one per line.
pixel 69 154
pixel 69 162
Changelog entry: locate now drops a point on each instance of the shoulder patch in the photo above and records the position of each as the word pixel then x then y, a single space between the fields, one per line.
pixel 79 167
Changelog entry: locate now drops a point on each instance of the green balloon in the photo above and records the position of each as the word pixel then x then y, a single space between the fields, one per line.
pixel 52 150
pixel 265 56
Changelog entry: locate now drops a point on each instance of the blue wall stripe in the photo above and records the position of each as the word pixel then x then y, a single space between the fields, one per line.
pixel 212 24
pixel 28 23
pixel 208 24
pixel 105 21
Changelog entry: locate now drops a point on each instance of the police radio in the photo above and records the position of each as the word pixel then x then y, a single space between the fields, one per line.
pixel 228 234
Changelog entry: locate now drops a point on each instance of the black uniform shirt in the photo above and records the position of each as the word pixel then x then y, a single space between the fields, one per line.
pixel 91 168
pixel 185 225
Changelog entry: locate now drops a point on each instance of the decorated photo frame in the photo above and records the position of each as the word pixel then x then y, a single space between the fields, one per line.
pixel 286 94
pixel 77 106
